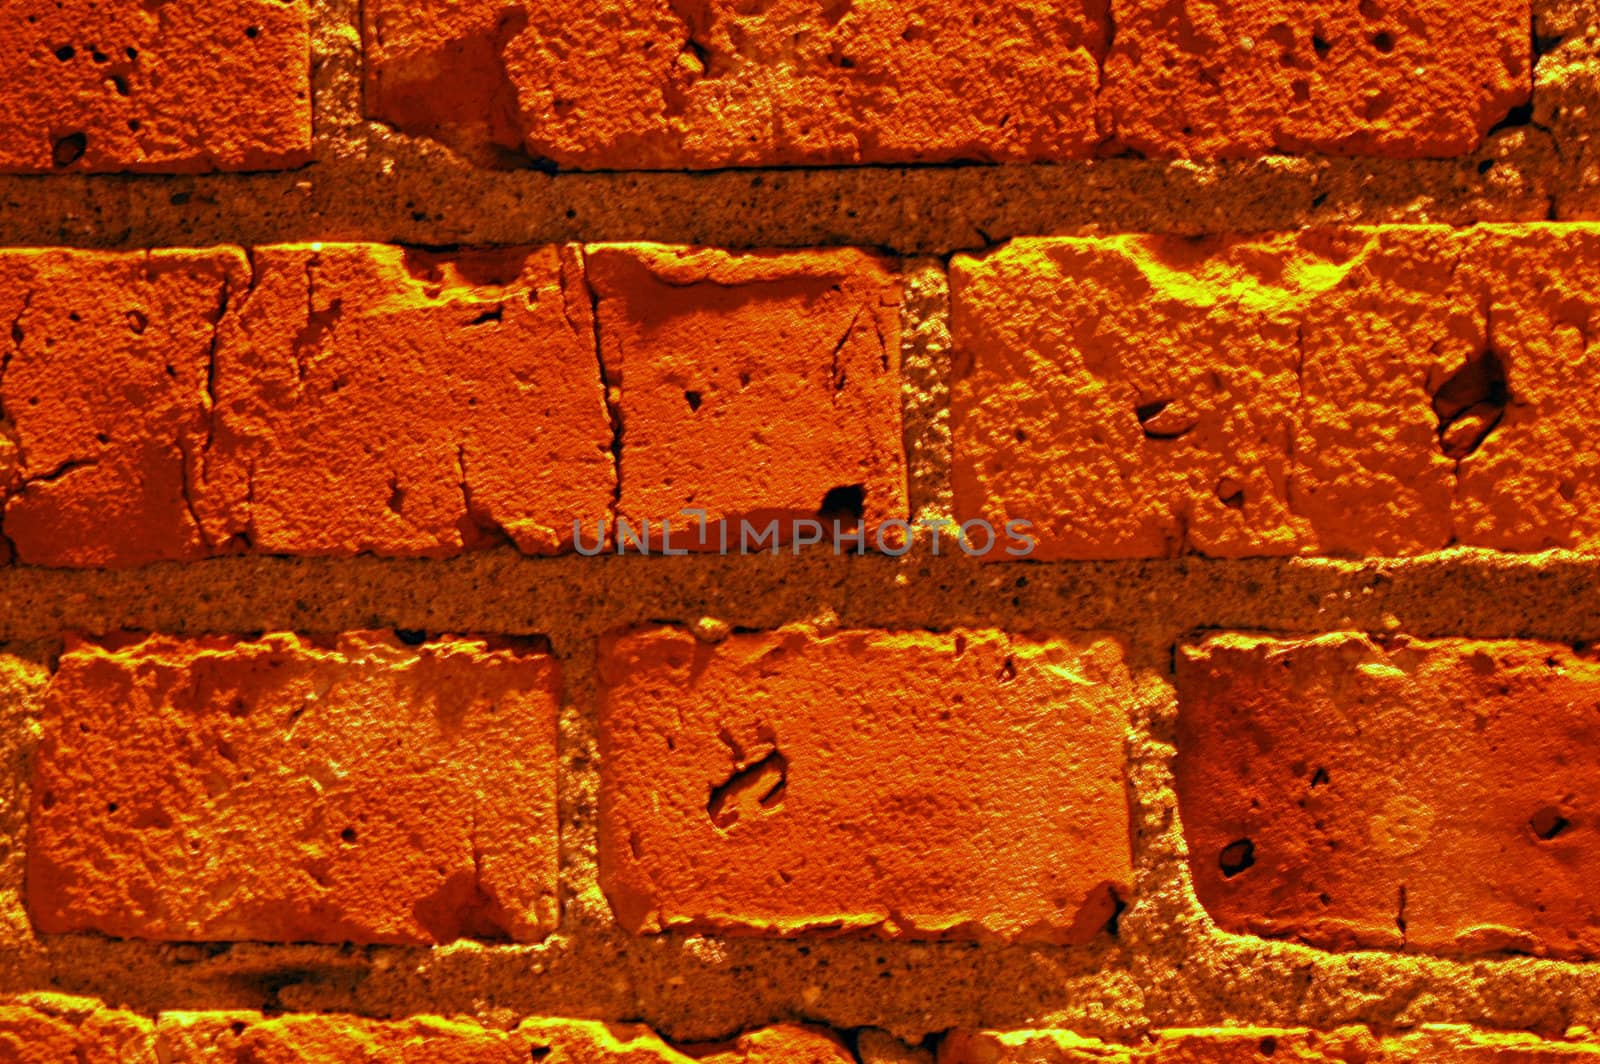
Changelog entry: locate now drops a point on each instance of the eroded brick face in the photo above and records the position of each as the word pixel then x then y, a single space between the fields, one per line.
pixel 1356 77
pixel 925 785
pixel 1382 391
pixel 757 387
pixel 1431 796
pixel 670 84
pixel 331 399
pixel 285 789
pixel 177 86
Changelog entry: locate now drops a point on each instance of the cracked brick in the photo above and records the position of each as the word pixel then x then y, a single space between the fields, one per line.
pixel 922 785
pixel 170 87
pixel 669 84
pixel 291 789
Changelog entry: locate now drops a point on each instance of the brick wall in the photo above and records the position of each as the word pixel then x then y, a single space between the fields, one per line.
pixel 805 531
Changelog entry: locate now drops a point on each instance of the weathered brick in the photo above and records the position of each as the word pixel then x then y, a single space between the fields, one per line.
pixel 179 86
pixel 289 789
pixel 1353 77
pixel 755 387
pixel 1432 1044
pixel 672 84
pixel 924 785
pixel 239 1038
pixel 55 1029
pixel 305 400
pixel 1350 392
pixel 374 398
pixel 103 392
pixel 1422 795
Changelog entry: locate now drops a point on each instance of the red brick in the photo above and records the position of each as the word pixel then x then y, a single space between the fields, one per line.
pixel 171 405
pixel 1432 1044
pixel 1352 77
pixel 104 387
pixel 241 1038
pixel 180 86
pixel 751 386
pixel 675 84
pixel 1336 790
pixel 372 398
pixel 1322 392
pixel 916 784
pixel 287 789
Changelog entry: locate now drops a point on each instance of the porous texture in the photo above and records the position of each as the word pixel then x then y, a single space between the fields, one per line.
pixel 353 790
pixel 179 86
pixel 962 785
pixel 694 84
pixel 751 390
pixel 1334 789
pixel 1360 391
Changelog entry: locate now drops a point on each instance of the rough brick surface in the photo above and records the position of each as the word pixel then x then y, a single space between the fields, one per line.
pixel 1368 77
pixel 1347 392
pixel 102 391
pixel 1434 1044
pixel 756 387
pixel 373 398
pixel 961 784
pixel 47 1029
pixel 177 86
pixel 1428 796
pixel 670 84
pixel 330 399
pixel 241 1038
pixel 285 789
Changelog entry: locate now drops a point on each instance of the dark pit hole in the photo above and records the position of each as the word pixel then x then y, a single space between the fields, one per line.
pixel 1008 670
pixel 694 399
pixel 1383 41
pixel 69 149
pixel 411 637
pixel 493 314
pixel 1236 857
pixel 252 32
pixel 1548 823
pixel 1485 166
pixel 348 835
pixel 119 83
pixel 760 786
pixel 845 504
pixel 1521 115
pixel 1145 411
pixel 1321 46
pixel 98 56
pixel 539 1052
pixel 1470 403
pixel 138 322
pixel 1319 778
pixel 1268 1046
pixel 66 52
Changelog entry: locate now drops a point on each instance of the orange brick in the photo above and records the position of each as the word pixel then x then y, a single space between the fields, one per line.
pixel 180 86
pixel 918 784
pixel 1432 1044
pixel 755 387
pixel 373 398
pixel 1389 390
pixel 287 789
pixel 241 1038
pixel 675 84
pixel 1352 77
pixel 54 1029
pixel 104 386
pixel 1431 796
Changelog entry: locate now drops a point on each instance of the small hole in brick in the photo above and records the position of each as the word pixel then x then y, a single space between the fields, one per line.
pixel 119 83
pixel 1230 493
pixel 69 149
pixel 252 32
pixel 694 399
pixel 846 503
pixel 1470 403
pixel 138 322
pixel 112 807
pixel 1236 857
pixel 131 53
pixel 1008 670
pixel 66 52
pixel 98 56
pixel 48 800
pixel 1166 419
pixel 1383 41
pixel 348 835
pixel 538 1052
pixel 1485 166
pixel 397 496
pixel 1319 778
pixel 1548 823
pixel 755 788
pixel 411 637
pixel 1301 89
pixel 1321 46
pixel 1268 1046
